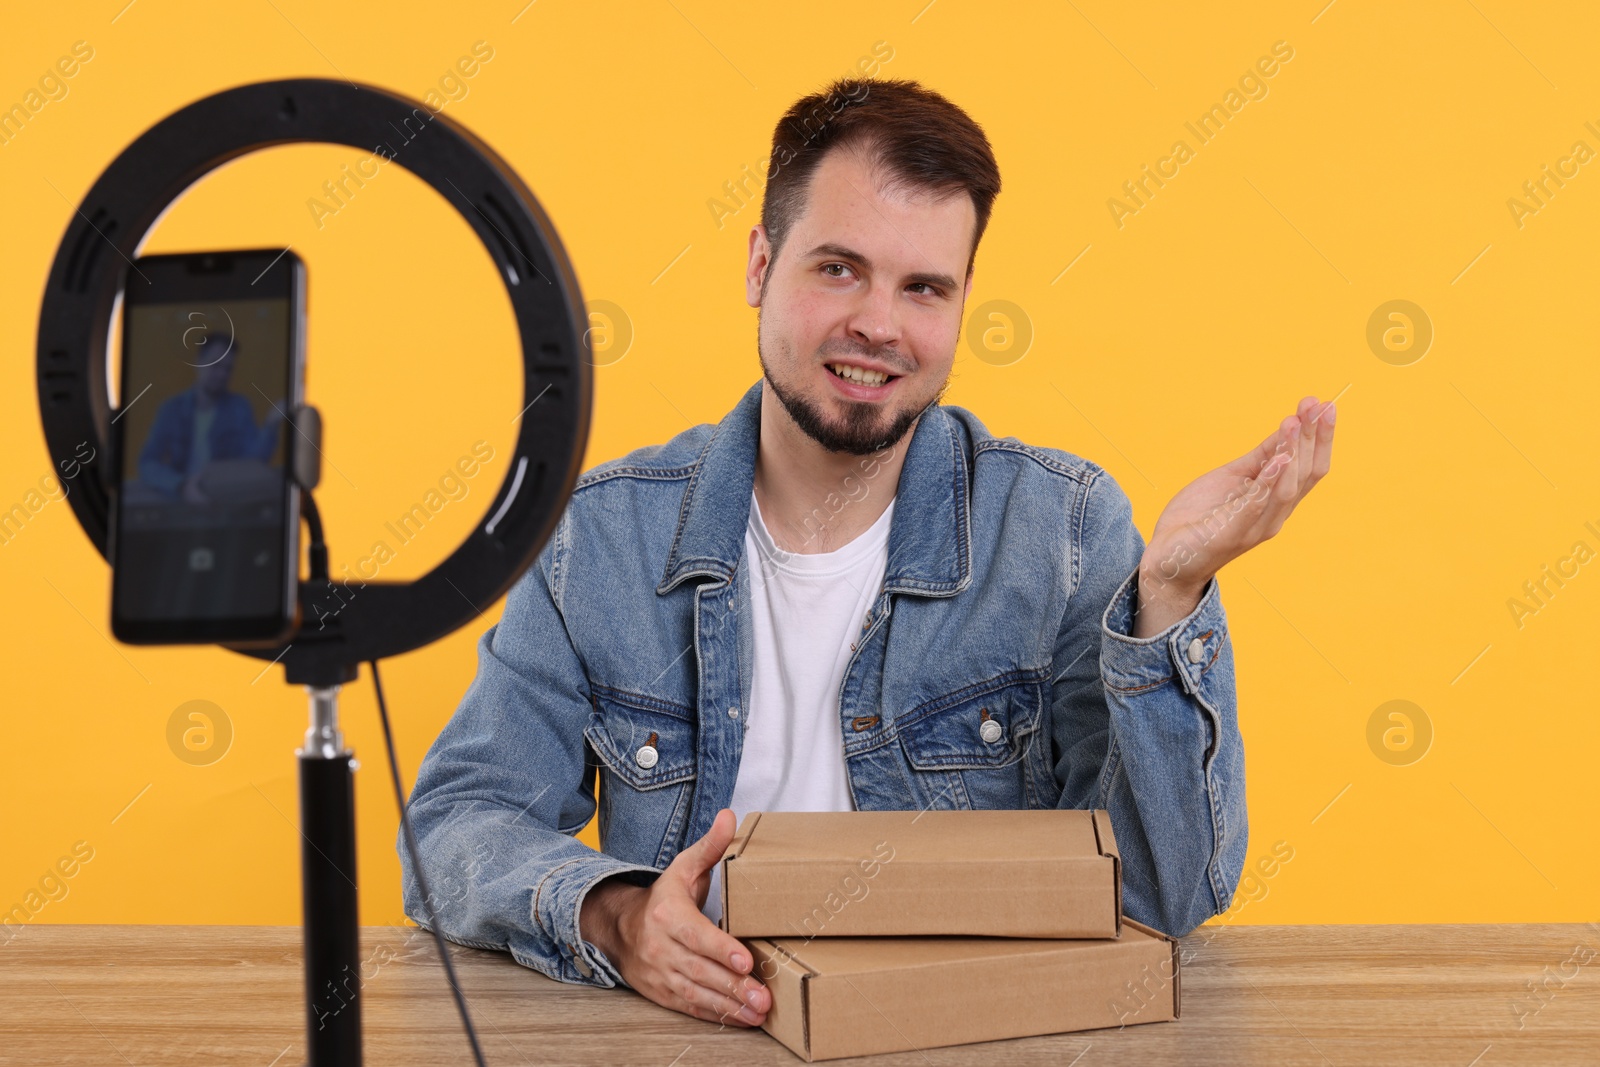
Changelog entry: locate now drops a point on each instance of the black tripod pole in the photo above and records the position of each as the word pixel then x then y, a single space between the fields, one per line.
pixel 328 882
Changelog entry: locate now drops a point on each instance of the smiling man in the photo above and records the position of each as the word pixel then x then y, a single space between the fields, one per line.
pixel 844 595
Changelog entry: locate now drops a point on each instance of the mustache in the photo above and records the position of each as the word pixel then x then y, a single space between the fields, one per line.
pixel 887 357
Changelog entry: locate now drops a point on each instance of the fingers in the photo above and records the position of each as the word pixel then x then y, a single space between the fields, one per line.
pixel 1280 470
pixel 1314 447
pixel 743 1018
pixel 1310 434
pixel 1306 454
pixel 1277 453
pixel 696 986
pixel 682 961
pixel 1287 489
pixel 699 935
pixel 1276 479
pixel 712 987
pixel 1323 459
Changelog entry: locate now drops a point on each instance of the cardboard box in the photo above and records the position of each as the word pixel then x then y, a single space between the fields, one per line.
pixel 856 996
pixel 885 873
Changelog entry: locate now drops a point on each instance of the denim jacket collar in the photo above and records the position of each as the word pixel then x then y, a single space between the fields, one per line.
pixel 930 542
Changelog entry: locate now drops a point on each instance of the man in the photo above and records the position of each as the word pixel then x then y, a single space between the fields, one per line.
pixel 844 595
pixel 205 422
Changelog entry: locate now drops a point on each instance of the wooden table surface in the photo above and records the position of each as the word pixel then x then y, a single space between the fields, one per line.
pixel 216 995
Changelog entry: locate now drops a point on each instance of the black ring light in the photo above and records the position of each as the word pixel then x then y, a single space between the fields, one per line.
pixel 104 236
pixel 385 618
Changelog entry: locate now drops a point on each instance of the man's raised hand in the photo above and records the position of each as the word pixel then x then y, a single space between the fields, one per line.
pixel 1225 513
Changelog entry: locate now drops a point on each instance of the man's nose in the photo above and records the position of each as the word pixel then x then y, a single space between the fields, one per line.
pixel 875 321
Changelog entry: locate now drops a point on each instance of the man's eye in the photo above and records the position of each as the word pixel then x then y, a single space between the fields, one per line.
pixel 830 266
pixel 928 289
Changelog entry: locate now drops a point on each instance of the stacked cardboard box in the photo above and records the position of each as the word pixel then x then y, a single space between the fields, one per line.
pixel 889 931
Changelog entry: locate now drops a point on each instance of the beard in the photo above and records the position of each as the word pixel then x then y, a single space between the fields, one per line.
pixel 865 429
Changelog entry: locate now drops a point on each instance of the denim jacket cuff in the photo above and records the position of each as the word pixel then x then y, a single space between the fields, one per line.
pixel 1186 650
pixel 557 902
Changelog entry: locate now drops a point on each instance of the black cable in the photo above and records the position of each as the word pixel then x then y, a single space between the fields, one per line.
pixel 319 548
pixel 416 863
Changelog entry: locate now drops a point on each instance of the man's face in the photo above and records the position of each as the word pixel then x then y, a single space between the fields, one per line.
pixel 867 284
pixel 214 377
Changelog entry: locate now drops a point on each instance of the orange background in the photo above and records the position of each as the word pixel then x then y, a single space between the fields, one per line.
pixel 1380 163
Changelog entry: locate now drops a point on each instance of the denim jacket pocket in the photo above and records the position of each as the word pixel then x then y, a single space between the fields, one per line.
pixel 647 743
pixel 983 740
pixel 646 750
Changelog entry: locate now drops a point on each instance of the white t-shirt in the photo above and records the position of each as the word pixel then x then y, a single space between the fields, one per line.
pixel 200 450
pixel 807 610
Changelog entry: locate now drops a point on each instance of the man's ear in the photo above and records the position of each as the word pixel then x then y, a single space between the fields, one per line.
pixel 760 262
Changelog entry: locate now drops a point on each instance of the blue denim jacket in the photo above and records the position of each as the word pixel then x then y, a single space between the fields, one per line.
pixel 1007 595
pixel 164 461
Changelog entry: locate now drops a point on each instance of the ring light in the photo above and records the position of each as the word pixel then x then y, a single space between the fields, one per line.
pixel 115 218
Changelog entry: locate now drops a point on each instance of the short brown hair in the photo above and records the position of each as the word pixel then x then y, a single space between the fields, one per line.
pixel 917 138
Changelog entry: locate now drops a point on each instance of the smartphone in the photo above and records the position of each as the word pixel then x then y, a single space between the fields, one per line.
pixel 205 517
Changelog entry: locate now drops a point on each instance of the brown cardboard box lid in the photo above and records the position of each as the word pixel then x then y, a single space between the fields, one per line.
pixel 834 997
pixel 1033 873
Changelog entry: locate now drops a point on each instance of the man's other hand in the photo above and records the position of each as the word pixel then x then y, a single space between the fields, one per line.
pixel 666 949
pixel 191 491
pixel 1221 515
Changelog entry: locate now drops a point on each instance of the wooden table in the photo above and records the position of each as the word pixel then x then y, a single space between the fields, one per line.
pixel 215 995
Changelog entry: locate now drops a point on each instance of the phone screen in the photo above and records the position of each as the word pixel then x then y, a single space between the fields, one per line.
pixel 206 512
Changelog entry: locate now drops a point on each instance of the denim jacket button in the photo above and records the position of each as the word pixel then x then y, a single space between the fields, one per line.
pixel 583 968
pixel 647 756
pixel 1197 650
pixel 990 731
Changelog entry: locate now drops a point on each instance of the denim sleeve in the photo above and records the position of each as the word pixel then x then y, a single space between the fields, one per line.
pixel 1147 728
pixel 154 468
pixel 503 789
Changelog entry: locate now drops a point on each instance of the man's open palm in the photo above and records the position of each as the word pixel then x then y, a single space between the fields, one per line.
pixel 1225 513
